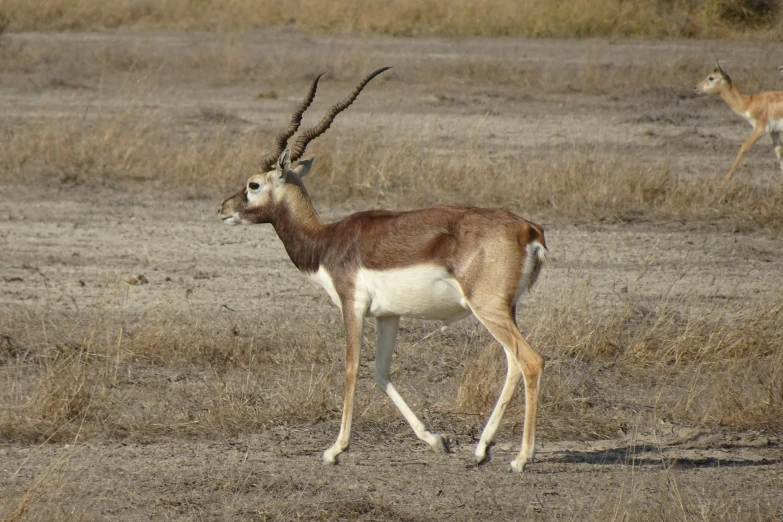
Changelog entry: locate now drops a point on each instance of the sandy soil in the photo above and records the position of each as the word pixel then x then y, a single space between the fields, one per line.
pixel 72 246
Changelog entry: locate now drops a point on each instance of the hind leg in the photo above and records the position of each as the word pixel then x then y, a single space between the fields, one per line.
pixel 513 376
pixel 387 334
pixel 499 320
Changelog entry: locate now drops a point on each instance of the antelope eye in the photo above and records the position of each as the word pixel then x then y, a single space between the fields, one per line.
pixel 254 186
pixel 711 78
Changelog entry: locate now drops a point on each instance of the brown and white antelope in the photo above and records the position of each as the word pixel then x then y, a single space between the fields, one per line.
pixel 764 111
pixel 442 263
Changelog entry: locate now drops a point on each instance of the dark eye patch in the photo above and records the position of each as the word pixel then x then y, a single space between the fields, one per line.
pixel 254 186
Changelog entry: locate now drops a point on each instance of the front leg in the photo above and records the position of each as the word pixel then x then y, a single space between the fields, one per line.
pixel 757 133
pixel 353 318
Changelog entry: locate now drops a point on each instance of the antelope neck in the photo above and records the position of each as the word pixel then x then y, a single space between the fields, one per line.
pixel 301 231
pixel 736 100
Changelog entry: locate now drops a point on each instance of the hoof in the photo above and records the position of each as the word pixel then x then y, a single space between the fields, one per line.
pixel 440 444
pixel 482 457
pixel 330 458
pixel 518 466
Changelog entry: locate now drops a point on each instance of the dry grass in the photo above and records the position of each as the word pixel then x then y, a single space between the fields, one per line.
pixel 101 377
pixel 72 377
pixel 597 68
pixel 723 368
pixel 596 180
pixel 40 500
pixel 675 501
pixel 124 147
pixel 563 181
pixel 94 375
pixel 558 18
pixel 210 149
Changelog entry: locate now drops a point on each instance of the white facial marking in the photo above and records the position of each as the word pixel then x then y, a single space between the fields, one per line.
pixel 423 292
pixel 256 190
pixel 233 219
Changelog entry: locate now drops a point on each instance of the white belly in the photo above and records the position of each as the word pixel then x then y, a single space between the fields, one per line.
pixel 423 292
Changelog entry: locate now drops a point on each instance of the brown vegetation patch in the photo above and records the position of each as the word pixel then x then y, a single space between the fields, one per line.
pixel 94 376
pixel 568 180
pixel 556 18
pixel 720 369
pixel 75 377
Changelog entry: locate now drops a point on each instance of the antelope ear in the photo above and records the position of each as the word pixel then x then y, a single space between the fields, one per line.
pixel 283 162
pixel 303 167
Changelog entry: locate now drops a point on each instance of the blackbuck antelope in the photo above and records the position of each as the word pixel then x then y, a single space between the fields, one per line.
pixel 441 263
pixel 764 111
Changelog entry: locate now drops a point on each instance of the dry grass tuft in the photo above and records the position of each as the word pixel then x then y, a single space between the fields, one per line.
pixel 744 393
pixel 741 14
pixel 726 368
pixel 557 18
pixel 71 377
pixel 669 333
pixel 132 145
pixel 578 180
pixel 676 500
pixel 41 499
pixel 594 180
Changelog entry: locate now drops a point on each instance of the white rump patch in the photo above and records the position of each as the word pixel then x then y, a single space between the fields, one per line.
pixel 422 291
pixel 535 258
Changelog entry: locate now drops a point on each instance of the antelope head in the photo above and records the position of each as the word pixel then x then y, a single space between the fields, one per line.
pixel 276 180
pixel 715 82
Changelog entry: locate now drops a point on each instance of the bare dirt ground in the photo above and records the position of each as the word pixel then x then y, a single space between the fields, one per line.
pixel 635 440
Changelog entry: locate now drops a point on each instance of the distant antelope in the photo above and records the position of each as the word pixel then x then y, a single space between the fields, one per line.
pixel 764 111
pixel 441 263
